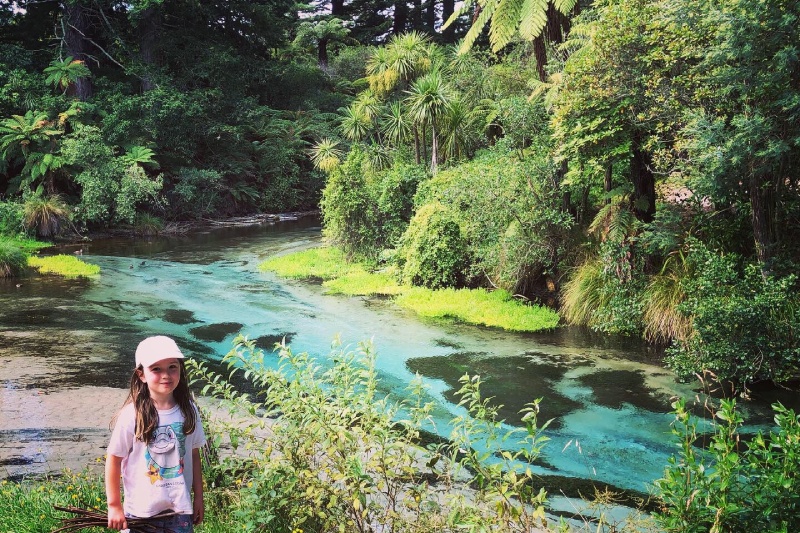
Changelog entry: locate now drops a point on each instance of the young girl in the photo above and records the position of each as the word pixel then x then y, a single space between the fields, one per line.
pixel 155 444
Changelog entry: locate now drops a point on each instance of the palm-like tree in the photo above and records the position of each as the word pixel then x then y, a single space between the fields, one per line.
pixel 429 98
pixel 23 133
pixel 63 74
pixel 458 128
pixel 395 124
pixel 355 125
pixel 326 154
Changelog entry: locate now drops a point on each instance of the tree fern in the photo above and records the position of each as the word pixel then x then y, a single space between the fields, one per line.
pixel 507 17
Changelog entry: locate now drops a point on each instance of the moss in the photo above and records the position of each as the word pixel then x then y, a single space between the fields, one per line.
pixel 63 265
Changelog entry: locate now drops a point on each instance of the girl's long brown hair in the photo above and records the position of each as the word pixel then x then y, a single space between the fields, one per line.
pixel 146 412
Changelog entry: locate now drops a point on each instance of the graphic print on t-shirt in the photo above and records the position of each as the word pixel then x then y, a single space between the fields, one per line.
pixel 164 454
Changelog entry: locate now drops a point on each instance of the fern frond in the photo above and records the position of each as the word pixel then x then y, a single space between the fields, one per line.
pixel 465 7
pixel 504 22
pixel 565 6
pixel 477 27
pixel 533 18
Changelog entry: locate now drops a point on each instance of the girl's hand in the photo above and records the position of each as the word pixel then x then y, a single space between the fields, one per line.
pixel 198 509
pixel 116 518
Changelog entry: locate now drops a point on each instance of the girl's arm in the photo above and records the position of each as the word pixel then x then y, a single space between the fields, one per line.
pixel 197 486
pixel 116 517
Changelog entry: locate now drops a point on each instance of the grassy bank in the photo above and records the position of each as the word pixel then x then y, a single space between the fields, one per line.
pixel 27 506
pixel 472 306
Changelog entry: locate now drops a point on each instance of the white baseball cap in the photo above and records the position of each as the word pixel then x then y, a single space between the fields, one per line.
pixel 154 349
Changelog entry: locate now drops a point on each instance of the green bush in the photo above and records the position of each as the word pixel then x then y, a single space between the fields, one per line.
pixel 349 210
pixel 320 448
pixel 11 217
pixel 433 252
pixel 111 188
pixel 732 485
pixel 195 192
pixel 13 260
pixel 510 215
pixel 745 328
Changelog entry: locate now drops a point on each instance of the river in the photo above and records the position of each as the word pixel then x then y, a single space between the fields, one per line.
pixel 66 351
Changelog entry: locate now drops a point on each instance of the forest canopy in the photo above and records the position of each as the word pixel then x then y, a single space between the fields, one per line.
pixel 633 163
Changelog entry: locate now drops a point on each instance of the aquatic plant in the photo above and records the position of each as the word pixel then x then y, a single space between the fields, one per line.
pixel 479 306
pixel 63 265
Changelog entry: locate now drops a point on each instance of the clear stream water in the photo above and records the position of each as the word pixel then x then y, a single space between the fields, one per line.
pixel 608 398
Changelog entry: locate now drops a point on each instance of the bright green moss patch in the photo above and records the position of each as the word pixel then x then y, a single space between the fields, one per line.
pixel 320 263
pixel 63 265
pixel 473 306
pixel 479 306
pixel 364 283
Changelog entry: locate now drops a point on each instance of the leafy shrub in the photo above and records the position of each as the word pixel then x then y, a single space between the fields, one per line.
pixel 349 209
pixel 745 327
pixel 432 252
pixel 11 217
pixel 730 485
pixel 321 449
pixel 111 189
pixel 195 192
pixel 509 212
pixel 12 259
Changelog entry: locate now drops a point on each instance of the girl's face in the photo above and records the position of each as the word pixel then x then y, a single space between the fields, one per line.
pixel 162 377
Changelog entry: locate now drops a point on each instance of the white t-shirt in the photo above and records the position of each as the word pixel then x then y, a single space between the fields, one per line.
pixel 156 476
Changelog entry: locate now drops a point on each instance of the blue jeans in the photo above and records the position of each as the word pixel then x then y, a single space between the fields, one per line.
pixel 179 523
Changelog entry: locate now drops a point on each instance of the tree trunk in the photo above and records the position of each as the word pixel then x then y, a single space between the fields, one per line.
pixel 76 27
pixel 416 15
pixel 608 182
pixel 540 54
pixel 337 8
pixel 434 149
pixel 149 31
pixel 448 8
pixel 760 210
pixel 400 17
pixel 644 184
pixel 430 17
pixel 322 54
pixel 416 145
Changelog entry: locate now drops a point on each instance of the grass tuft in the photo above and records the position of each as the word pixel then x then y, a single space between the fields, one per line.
pixel 63 265
pixel 12 259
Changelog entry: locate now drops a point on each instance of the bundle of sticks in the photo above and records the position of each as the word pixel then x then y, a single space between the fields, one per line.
pixel 86 518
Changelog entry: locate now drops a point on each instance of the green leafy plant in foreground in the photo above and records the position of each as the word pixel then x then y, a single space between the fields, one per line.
pixel 732 485
pixel 318 447
pixel 63 265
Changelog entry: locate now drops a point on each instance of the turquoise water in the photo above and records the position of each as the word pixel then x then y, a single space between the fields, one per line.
pixel 608 399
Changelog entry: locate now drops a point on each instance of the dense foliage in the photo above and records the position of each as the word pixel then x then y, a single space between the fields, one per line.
pixel 598 157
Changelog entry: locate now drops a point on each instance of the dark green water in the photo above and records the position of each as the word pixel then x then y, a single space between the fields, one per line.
pixel 609 400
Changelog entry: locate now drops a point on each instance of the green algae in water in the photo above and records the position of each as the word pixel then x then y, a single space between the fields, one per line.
pixel 216 332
